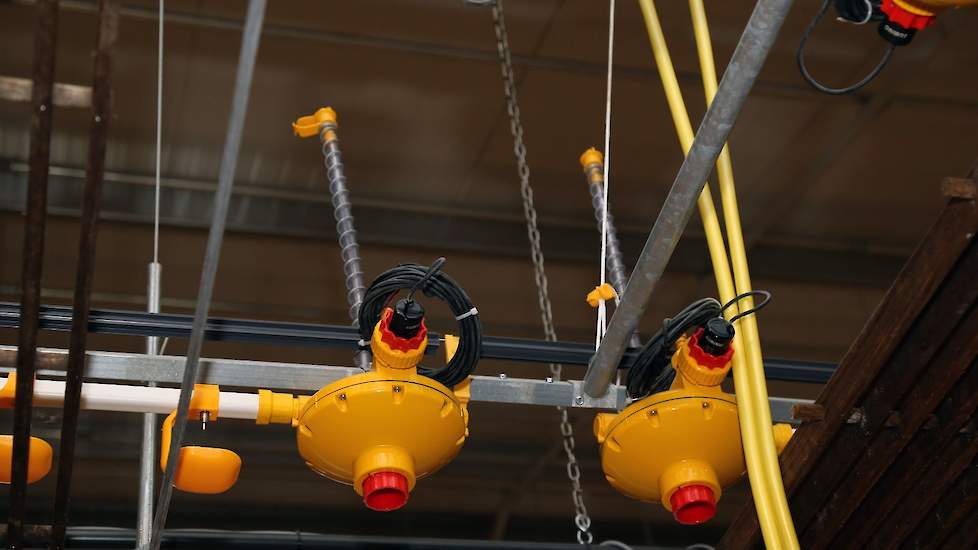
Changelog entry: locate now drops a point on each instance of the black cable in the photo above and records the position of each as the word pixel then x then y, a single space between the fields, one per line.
pixel 757 307
pixel 800 57
pixel 652 372
pixel 433 283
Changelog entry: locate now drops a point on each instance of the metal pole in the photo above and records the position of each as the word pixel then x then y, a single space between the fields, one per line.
pixel 45 39
pixel 108 23
pixel 746 63
pixel 229 160
pixel 147 460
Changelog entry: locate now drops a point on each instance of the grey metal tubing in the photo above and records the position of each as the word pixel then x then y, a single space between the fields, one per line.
pixel 345 230
pixel 615 264
pixel 746 63
pixel 147 458
pixel 225 183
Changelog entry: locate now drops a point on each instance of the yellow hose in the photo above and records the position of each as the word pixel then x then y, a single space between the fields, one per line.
pixel 755 422
pixel 762 449
pixel 711 224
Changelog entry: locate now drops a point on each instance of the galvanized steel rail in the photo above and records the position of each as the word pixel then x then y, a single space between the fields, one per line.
pixel 300 378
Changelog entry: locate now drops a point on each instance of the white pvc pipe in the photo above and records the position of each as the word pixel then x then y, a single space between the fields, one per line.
pixel 138 399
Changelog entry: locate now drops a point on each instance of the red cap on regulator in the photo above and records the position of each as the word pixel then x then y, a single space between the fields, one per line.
pixel 385 491
pixel 693 504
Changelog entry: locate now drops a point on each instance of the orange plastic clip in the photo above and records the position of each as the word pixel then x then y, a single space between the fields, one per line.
pixel 601 293
pixel 308 126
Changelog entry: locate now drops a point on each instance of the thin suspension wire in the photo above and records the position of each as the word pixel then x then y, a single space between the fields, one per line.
pixel 159 136
pixel 602 322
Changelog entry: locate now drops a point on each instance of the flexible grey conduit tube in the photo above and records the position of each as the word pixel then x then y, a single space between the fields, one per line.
pixel 345 231
pixel 615 264
pixel 752 50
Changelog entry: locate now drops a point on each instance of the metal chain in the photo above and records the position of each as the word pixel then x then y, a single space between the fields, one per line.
pixel 581 518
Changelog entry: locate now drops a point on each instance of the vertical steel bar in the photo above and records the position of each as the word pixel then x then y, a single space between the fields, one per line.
pixel 147 460
pixel 752 50
pixel 45 41
pixel 108 23
pixel 229 160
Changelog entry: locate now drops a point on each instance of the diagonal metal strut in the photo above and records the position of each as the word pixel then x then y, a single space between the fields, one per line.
pixel 232 145
pixel 755 43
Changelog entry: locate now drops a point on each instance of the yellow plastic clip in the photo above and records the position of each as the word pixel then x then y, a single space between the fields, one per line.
pixel 601 293
pixel 308 126
pixel 463 391
pixel 206 398
pixel 451 346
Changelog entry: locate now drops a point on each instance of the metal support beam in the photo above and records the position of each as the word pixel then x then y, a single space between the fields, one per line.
pixel 108 25
pixel 138 323
pixel 147 457
pixel 300 378
pixel 746 63
pixel 229 160
pixel 45 46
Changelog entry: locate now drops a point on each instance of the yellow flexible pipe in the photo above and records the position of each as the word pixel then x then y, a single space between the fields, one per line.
pixel 753 428
pixel 711 224
pixel 763 450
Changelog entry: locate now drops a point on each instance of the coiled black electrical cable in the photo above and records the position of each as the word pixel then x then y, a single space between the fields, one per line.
pixel 432 282
pixel 652 371
pixel 800 57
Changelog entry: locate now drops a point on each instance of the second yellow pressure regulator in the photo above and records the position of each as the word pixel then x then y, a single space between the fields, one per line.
pixel 679 442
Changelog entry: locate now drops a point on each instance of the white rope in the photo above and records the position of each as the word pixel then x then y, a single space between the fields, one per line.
pixel 159 137
pixel 602 322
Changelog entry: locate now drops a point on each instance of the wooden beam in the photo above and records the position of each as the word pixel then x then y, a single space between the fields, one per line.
pixel 45 49
pixel 931 484
pixel 872 350
pixel 949 513
pixel 962 188
pixel 896 486
pixel 933 356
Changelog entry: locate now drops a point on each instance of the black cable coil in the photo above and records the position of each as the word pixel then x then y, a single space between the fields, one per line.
pixel 433 283
pixel 652 371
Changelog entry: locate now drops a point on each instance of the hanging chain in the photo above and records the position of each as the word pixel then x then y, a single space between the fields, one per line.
pixel 581 518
